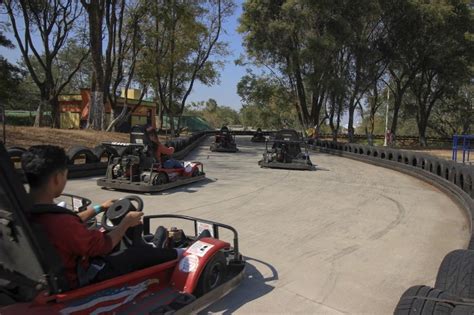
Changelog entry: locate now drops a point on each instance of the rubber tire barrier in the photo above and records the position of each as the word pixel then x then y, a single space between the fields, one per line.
pixel 410 305
pixel 77 152
pixel 15 152
pixel 99 151
pixel 456 273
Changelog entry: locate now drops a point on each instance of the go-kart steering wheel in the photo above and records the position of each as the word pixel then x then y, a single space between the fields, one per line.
pixel 119 209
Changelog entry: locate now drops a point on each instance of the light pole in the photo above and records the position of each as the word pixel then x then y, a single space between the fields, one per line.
pixel 385 142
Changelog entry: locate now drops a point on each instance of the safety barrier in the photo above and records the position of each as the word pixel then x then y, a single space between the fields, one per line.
pixel 455 179
pixel 84 162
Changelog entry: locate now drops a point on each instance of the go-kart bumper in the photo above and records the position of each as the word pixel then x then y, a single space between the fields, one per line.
pixel 294 165
pixel 257 139
pixel 220 148
pixel 145 187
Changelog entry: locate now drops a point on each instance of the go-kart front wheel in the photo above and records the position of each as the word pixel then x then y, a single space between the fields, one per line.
pixel 213 275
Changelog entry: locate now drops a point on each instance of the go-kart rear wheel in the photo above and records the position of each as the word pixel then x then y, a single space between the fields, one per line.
pixel 213 275
pixel 160 179
pixel 195 172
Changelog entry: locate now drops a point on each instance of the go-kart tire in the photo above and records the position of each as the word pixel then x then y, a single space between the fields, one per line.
pixel 456 274
pixel 412 302
pixel 160 179
pixel 213 275
pixel 76 152
pixel 195 173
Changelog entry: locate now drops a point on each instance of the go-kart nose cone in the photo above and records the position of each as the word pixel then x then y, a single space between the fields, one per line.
pixel 118 210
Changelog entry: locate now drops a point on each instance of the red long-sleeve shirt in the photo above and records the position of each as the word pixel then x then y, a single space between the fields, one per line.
pixel 73 241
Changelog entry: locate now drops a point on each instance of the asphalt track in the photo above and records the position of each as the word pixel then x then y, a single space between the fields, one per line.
pixel 347 238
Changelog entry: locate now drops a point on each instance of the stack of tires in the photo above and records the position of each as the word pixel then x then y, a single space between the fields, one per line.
pixel 453 293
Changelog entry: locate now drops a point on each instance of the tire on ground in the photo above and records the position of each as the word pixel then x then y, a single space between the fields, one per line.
pixel 414 302
pixel 456 274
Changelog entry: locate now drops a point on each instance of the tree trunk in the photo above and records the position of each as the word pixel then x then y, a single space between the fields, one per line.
pixel 96 106
pixel 350 125
pixel 422 124
pixel 55 112
pixel 39 113
pixel 396 109
pixel 96 110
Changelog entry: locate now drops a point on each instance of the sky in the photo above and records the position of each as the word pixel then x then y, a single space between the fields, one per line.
pixel 224 92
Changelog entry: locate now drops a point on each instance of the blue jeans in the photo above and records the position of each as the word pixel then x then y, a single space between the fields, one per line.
pixel 172 164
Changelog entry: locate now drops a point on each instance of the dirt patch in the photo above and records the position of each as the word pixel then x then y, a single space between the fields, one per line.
pixel 25 137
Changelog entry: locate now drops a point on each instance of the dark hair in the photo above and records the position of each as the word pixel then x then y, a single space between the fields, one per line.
pixel 42 161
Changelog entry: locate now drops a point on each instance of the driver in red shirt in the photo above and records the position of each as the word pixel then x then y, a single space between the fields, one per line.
pixel 84 252
pixel 162 152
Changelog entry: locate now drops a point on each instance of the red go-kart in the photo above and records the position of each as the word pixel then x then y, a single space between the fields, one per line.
pixel 32 280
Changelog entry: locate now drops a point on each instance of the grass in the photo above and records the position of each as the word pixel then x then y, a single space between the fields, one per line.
pixel 25 137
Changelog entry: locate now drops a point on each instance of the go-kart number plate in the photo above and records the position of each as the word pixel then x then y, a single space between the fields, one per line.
pixel 76 203
pixel 188 263
pixel 201 226
pixel 199 248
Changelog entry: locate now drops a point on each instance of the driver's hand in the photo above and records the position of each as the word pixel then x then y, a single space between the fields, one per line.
pixel 133 218
pixel 106 205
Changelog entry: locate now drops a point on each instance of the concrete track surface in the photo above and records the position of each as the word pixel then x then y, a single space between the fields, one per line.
pixel 347 238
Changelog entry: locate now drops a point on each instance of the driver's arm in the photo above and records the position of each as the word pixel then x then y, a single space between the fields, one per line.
pixel 133 218
pixel 87 214
pixel 91 212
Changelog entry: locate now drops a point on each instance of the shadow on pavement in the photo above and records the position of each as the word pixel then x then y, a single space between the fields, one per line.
pixel 253 286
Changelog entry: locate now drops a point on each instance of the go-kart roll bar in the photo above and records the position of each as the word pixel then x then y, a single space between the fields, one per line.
pixel 215 226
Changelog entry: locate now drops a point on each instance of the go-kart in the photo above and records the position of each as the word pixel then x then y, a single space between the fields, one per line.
pixel 32 279
pixel 258 136
pixel 224 141
pixel 136 168
pixel 286 152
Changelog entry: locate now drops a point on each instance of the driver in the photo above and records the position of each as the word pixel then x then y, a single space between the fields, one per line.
pixel 225 137
pixel 162 152
pixel 85 253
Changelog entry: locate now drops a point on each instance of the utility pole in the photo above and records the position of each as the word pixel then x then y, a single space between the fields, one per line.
pixel 385 142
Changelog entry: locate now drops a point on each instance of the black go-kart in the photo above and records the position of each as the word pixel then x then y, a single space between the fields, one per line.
pixel 258 136
pixel 286 152
pixel 137 169
pixel 224 141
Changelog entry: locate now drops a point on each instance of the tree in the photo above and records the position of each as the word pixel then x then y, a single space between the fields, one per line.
pixel 182 36
pixel 11 75
pixel 123 53
pixel 54 21
pixel 214 114
pixel 319 46
pixel 445 53
pixel 454 115
pixel 266 102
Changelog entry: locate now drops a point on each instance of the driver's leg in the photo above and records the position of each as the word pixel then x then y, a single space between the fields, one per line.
pixel 171 163
pixel 132 259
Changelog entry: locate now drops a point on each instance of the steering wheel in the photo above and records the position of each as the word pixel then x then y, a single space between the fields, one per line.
pixel 119 209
